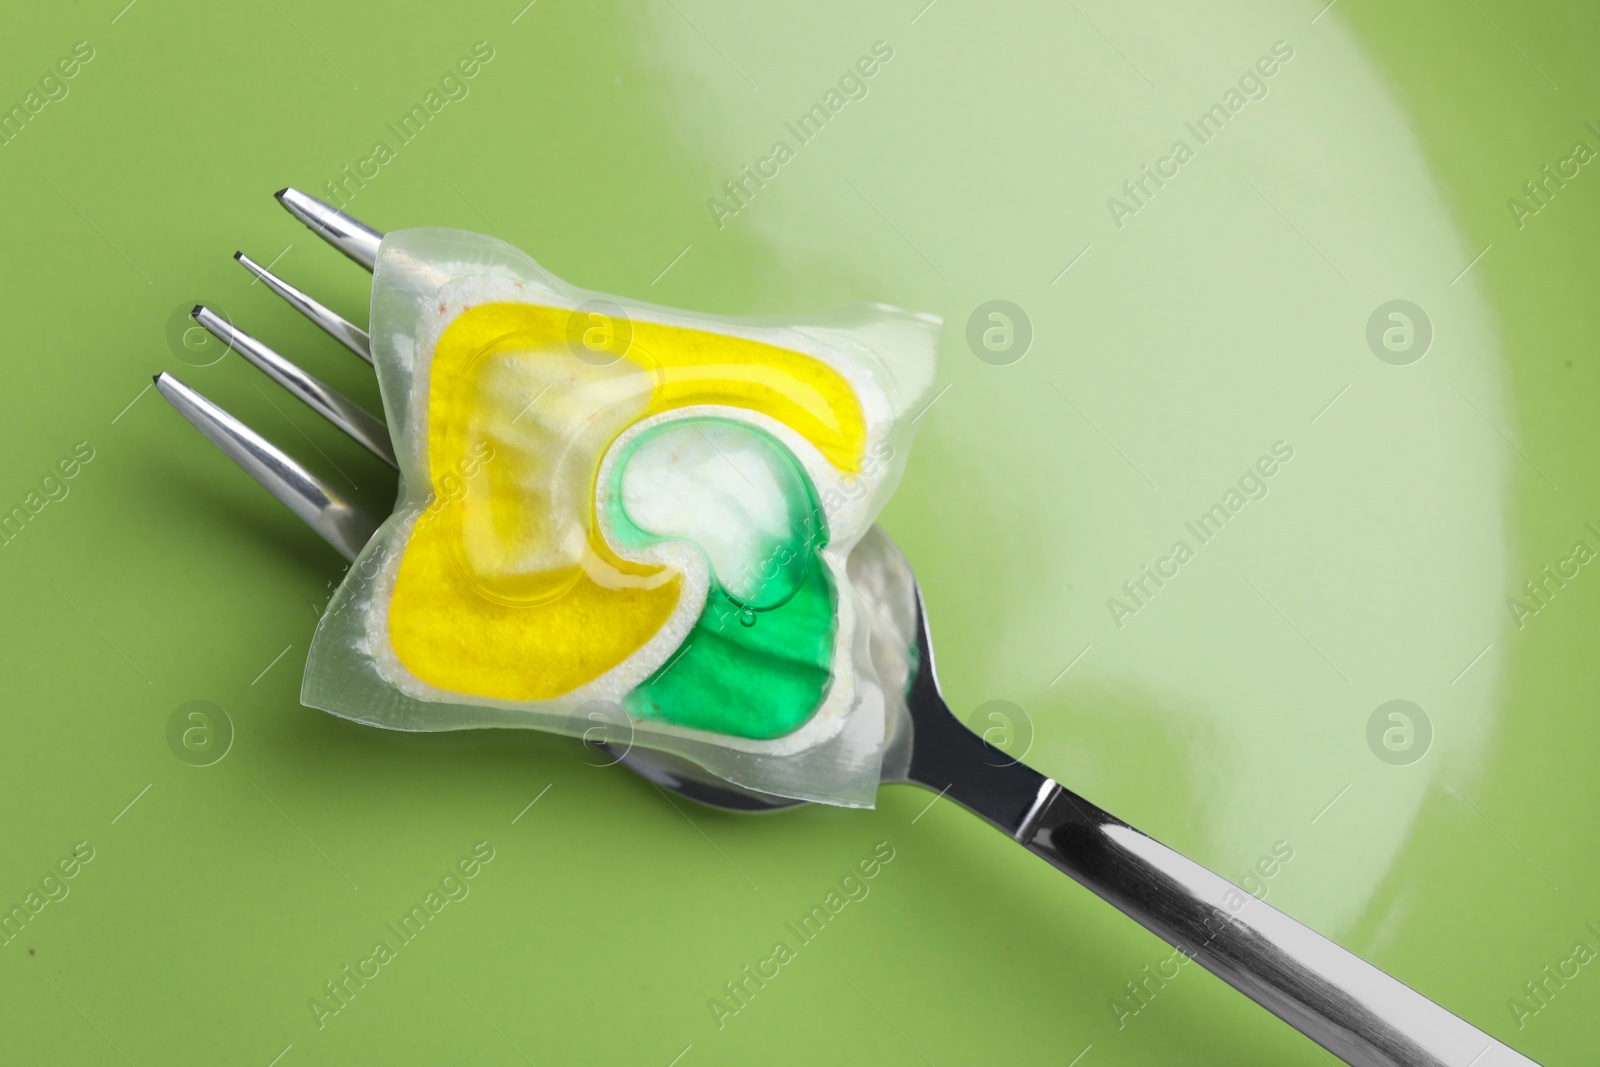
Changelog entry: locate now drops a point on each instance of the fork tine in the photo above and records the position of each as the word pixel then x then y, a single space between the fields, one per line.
pixel 349 235
pixel 338 327
pixel 343 525
pixel 330 404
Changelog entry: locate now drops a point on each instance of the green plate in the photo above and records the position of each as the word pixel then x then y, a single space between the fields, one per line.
pixel 1165 329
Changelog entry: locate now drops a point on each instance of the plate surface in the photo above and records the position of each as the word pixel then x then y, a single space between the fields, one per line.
pixel 1334 346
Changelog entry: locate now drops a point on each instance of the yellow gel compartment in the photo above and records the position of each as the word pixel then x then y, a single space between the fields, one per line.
pixel 506 589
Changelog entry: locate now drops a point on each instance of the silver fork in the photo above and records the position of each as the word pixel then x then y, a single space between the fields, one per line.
pixel 1338 1000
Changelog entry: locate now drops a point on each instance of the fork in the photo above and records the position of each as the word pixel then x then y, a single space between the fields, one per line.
pixel 343 525
pixel 1332 996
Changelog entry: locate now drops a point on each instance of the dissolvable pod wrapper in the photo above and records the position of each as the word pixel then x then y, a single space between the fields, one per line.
pixel 615 512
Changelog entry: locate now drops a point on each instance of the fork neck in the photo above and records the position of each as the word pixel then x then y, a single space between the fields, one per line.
pixel 951 760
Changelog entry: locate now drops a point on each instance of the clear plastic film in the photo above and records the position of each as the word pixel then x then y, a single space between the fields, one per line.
pixel 615 512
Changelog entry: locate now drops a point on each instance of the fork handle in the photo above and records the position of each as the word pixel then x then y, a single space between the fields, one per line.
pixel 1330 995
pixel 1334 997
